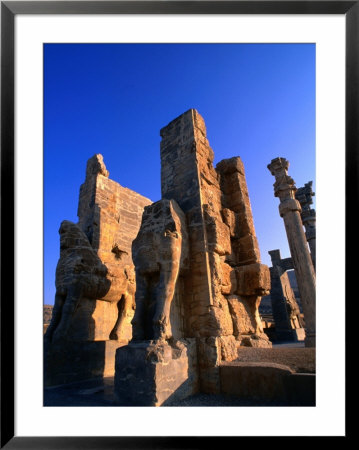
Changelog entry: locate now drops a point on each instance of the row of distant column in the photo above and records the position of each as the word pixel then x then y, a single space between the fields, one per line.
pixel 303 260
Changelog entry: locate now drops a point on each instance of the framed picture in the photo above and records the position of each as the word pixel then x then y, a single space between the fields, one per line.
pixel 26 29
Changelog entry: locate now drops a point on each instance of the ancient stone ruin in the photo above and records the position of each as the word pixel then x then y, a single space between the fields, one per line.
pixel 304 195
pixel 95 280
pixel 174 286
pixel 198 273
pixel 290 210
pixel 289 324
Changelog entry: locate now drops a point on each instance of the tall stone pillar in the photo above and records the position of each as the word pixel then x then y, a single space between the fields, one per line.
pixel 304 196
pixel 289 209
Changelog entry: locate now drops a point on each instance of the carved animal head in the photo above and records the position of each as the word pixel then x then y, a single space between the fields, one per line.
pixel 162 237
pixel 95 165
pixel 72 236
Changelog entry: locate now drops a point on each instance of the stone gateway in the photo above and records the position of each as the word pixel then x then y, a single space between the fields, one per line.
pixel 198 271
pixel 160 295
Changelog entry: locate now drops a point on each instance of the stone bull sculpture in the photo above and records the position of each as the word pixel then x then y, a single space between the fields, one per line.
pixel 81 274
pixel 160 254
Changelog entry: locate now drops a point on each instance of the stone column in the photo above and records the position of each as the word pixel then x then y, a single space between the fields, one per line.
pixel 304 196
pixel 289 209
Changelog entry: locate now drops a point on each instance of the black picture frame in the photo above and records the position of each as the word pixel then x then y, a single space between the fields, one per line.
pixel 9 9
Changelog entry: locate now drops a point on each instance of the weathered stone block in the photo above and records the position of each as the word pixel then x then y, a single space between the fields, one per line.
pixel 260 340
pixel 255 381
pixel 209 358
pixel 248 243
pixel 242 314
pixel 154 373
pixel 267 382
pixel 246 250
pixel 215 319
pixel 253 279
pixel 230 165
pixel 236 194
pixel 218 236
pixel 228 280
pixel 229 347
pixel 230 218
pixel 222 316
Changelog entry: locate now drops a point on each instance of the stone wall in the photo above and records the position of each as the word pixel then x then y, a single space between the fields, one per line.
pixel 226 273
pixel 180 180
pixel 222 293
pixel 95 280
pixel 110 215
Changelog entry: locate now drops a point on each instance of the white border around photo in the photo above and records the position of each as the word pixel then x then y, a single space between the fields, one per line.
pixel 327 418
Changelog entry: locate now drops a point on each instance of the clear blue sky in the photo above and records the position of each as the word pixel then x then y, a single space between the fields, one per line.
pixel 258 102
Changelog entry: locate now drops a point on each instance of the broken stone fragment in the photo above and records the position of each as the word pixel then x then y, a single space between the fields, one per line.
pixel 222 316
pixel 228 279
pixel 218 235
pixel 256 340
pixel 253 279
pixel 242 315
pixel 230 165
pixel 95 166
pixel 230 219
pixel 229 347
